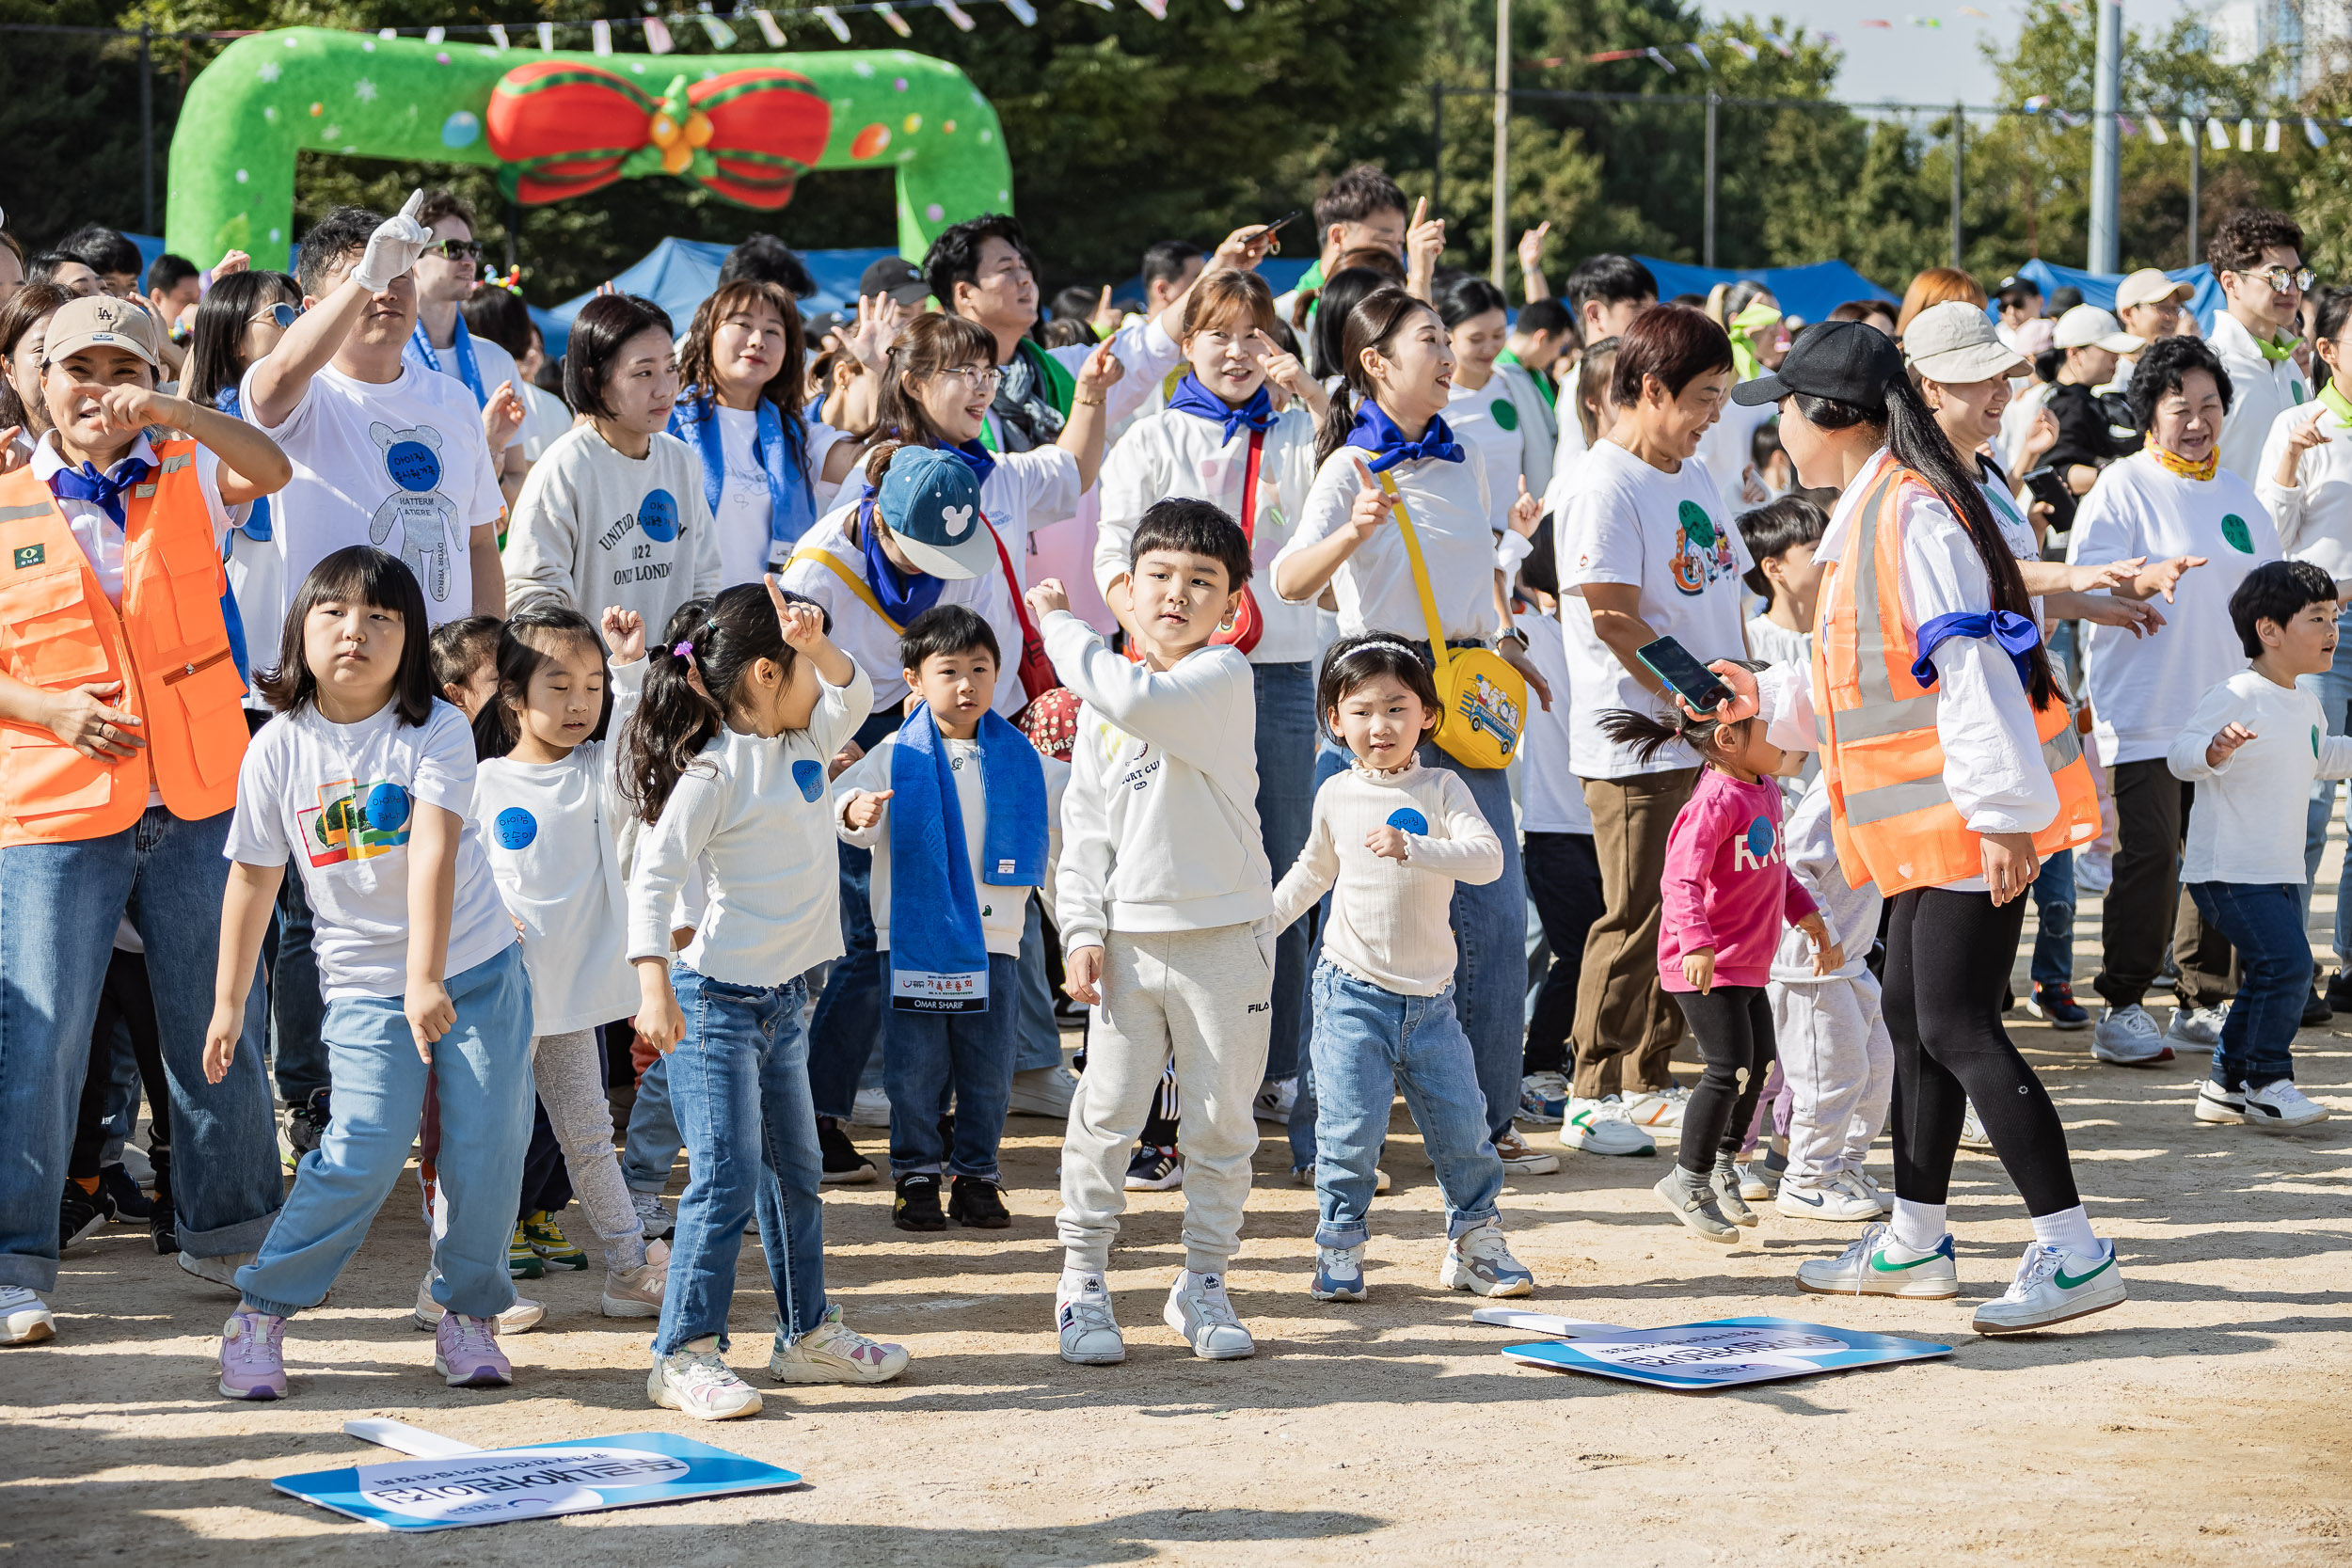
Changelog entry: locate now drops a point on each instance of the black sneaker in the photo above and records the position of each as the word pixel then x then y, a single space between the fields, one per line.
pixel 2316 1010
pixel 979 1204
pixel 121 1196
pixel 1154 1170
pixel 2340 990
pixel 916 1206
pixel 304 1125
pixel 843 1165
pixel 80 1215
pixel 163 1228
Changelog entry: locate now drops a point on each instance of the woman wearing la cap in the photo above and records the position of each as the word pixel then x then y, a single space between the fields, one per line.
pixel 1947 791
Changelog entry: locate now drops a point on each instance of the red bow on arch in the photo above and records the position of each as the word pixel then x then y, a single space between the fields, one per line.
pixel 562 129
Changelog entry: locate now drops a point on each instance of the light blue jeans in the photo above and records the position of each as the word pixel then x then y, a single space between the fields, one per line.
pixel 2333 687
pixel 653 1141
pixel 739 1084
pixel 1367 1043
pixel 59 905
pixel 481 1067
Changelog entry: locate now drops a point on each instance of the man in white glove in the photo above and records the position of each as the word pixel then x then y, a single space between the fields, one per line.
pixel 384 454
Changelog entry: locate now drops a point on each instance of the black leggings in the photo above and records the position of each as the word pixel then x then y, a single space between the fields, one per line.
pixel 123 998
pixel 1734 1026
pixel 1948 956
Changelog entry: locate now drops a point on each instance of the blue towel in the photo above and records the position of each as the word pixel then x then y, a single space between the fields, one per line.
pixel 791 493
pixel 938 956
pixel 2015 633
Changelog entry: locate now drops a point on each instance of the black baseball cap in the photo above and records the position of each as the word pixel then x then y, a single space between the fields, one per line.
pixel 1844 361
pixel 899 277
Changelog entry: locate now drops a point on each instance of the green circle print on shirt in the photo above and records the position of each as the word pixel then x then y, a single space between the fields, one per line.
pixel 2233 530
pixel 1696 524
pixel 1506 412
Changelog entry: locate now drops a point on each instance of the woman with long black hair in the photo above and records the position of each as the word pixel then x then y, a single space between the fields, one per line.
pixel 1954 768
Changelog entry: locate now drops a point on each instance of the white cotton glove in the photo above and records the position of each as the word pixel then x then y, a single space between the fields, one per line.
pixel 394 249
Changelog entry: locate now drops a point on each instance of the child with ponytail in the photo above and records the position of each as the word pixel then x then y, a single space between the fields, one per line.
pixel 726 764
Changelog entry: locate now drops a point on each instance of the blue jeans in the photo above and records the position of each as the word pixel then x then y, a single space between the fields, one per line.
pixel 1367 1043
pixel 1489 935
pixel 59 905
pixel 483 1070
pixel 848 1021
pixel 2333 689
pixel 738 1082
pixel 653 1138
pixel 2054 905
pixel 1037 1038
pixel 926 1056
pixel 1286 811
pixel 2265 923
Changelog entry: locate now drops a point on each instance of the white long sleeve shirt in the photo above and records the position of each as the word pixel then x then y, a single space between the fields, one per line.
pixel 2261 388
pixel 1993 765
pixel 2313 515
pixel 1391 922
pixel 2247 822
pixel 1160 820
pixel 595 526
pixel 755 817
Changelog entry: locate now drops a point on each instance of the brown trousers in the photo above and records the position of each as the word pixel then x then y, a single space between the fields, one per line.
pixel 1621 1010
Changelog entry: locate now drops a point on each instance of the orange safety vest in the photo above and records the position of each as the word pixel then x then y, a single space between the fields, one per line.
pixel 168 646
pixel 1890 814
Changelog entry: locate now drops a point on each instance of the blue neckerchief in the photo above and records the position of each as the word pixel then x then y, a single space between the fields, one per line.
pixel 1190 397
pixel 901 595
pixel 1378 433
pixel 421 352
pixel 983 462
pixel 2015 633
pixel 938 950
pixel 256 524
pixel 791 494
pixel 104 491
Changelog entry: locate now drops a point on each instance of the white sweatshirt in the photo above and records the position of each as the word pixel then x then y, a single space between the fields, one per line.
pixel 1850 914
pixel 755 813
pixel 550 829
pixel 593 528
pixel 1453 518
pixel 1391 921
pixel 2247 822
pixel 2261 388
pixel 1003 910
pixel 2313 515
pixel 1160 821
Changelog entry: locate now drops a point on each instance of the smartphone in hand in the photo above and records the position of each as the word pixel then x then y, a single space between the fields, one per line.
pixel 1684 676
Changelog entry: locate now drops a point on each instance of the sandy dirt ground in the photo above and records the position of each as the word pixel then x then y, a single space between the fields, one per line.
pixel 2203 1421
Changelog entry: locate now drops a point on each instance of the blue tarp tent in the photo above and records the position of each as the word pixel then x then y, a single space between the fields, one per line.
pixel 1809 293
pixel 2099 287
pixel 679 276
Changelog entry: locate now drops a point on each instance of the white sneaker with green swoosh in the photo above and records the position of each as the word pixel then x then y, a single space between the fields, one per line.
pixel 1875 1265
pixel 2053 1285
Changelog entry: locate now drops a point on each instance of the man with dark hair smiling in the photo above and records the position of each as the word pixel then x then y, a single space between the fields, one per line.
pixel 2258 258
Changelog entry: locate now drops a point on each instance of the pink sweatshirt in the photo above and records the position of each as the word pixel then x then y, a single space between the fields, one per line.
pixel 1727 884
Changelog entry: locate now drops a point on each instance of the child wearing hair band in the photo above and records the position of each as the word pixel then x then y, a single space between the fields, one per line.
pixel 727 765
pixel 1390 840
pixel 1727 894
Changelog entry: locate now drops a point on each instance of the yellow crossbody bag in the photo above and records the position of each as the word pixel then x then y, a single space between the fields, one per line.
pixel 1482 700
pixel 856 583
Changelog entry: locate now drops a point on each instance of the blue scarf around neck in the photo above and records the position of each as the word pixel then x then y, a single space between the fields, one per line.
pixel 902 595
pixel 256 525
pixel 1191 397
pixel 938 949
pixel 791 489
pixel 104 491
pixel 1378 433
pixel 982 461
pixel 421 352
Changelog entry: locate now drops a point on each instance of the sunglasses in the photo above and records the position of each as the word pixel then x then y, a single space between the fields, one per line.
pixel 285 315
pixel 2281 280
pixel 455 250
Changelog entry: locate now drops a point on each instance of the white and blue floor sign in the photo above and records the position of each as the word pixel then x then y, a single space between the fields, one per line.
pixel 1698 1356
pixel 491 1486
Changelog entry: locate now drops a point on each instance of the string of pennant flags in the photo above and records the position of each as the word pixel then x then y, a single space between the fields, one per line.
pixel 2214 128
pixel 723 31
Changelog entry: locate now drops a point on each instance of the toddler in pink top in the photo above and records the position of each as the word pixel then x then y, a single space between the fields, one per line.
pixel 1729 894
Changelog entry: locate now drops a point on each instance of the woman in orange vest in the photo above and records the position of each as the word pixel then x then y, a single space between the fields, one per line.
pixel 120 738
pixel 1953 768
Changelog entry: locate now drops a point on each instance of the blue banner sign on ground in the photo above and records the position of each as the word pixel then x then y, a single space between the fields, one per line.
pixel 1724 1354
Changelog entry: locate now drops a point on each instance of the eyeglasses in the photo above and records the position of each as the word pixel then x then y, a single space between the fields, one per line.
pixel 2281 280
pixel 976 380
pixel 285 315
pixel 455 250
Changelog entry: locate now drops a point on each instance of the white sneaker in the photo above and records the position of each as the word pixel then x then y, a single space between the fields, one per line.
pixel 1862 1190
pixel 1756 1183
pixel 1972 1132
pixel 1870 1267
pixel 1338 1273
pixel 523 1316
pixel 871 1108
pixel 1276 1097
pixel 833 1353
pixel 1658 1107
pixel 2199 1026
pixel 24 1318
pixel 2094 871
pixel 1480 1261
pixel 2217 1104
pixel 1197 1309
pixel 1521 1158
pixel 1826 1199
pixel 1042 1091
pixel 2052 1286
pixel 217 1271
pixel 1599 1127
pixel 1090 1335
pixel 695 1381
pixel 1544 1098
pixel 2280 1106
pixel 653 1216
pixel 2127 1036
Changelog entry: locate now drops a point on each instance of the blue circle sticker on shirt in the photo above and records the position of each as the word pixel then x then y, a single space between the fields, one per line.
pixel 516 827
pixel 1405 819
pixel 413 465
pixel 388 807
pixel 656 516
pixel 1760 837
pixel 810 776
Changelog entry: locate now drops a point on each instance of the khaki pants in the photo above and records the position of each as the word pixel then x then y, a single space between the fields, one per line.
pixel 1621 1010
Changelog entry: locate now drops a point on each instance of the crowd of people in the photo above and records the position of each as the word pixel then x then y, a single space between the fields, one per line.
pixel 1307 696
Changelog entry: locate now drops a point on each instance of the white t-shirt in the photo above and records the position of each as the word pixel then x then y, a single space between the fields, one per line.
pixel 100 537
pixel 1004 911
pixel 1665 534
pixel 1487 423
pixel 2247 822
pixel 1453 517
pixel 1551 797
pixel 2261 388
pixel 400 464
pixel 345 795
pixel 547 417
pixel 595 528
pixel 493 363
pixel 2314 517
pixel 2142 688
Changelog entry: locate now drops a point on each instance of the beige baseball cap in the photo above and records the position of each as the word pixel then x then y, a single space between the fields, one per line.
pixel 101 321
pixel 2148 285
pixel 2084 327
pixel 1954 344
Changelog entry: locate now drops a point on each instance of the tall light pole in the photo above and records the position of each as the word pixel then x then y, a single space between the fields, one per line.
pixel 1503 135
pixel 2106 95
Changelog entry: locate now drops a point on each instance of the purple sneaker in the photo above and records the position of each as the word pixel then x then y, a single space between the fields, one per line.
pixel 465 1352
pixel 253 1365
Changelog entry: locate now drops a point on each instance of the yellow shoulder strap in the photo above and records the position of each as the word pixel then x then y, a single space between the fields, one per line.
pixel 857 584
pixel 1437 651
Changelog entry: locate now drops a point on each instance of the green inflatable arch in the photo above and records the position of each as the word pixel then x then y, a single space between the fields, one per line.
pixel 559 125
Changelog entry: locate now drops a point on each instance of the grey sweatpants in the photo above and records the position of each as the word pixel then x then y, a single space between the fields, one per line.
pixel 1205 999
pixel 569 1069
pixel 1839 1062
